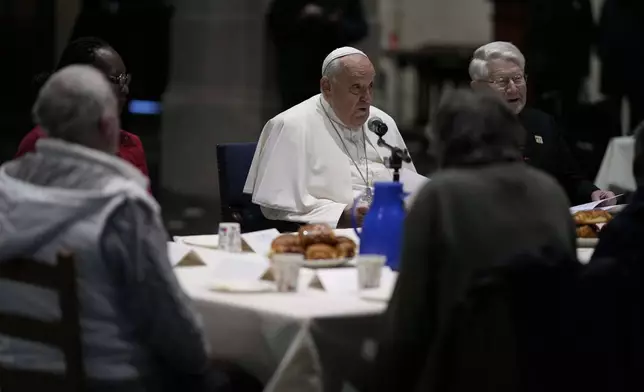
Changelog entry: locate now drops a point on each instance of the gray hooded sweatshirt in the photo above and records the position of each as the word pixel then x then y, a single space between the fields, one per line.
pixel 136 322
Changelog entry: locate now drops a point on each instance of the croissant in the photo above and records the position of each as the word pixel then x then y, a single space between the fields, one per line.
pixel 592 217
pixel 320 252
pixel 587 231
pixel 316 234
pixel 287 243
pixel 342 239
pixel 346 248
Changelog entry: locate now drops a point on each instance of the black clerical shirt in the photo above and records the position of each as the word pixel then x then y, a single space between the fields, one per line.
pixel 547 150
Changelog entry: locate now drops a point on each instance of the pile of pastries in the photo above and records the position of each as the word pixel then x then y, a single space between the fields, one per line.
pixel 315 242
pixel 589 223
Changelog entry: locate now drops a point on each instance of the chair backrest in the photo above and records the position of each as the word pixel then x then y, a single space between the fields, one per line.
pixel 510 330
pixel 610 332
pixel 64 334
pixel 233 161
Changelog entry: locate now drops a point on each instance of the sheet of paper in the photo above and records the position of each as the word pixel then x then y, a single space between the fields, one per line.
pixel 412 181
pixel 305 279
pixel 338 280
pixel 181 255
pixel 345 280
pixel 412 184
pixel 614 209
pixel 592 205
pixel 236 266
pixel 260 241
pixel 177 252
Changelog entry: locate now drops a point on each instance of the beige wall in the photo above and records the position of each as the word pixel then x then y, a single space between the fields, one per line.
pixel 221 87
pixel 439 21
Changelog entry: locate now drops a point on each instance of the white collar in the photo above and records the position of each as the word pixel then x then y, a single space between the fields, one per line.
pixel 60 148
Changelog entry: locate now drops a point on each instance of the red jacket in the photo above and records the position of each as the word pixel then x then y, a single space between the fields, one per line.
pixel 131 148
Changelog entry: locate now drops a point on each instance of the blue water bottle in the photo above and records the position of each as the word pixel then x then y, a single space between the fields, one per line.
pixel 382 228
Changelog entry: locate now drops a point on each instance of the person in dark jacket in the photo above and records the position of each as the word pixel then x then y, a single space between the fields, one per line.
pixel 621 239
pixel 483 206
pixel 612 291
pixel 304 32
pixel 500 66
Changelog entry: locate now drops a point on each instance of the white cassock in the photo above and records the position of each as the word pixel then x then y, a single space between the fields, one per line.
pixel 307 170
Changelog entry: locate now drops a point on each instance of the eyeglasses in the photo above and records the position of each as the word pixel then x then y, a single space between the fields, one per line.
pixel 123 80
pixel 504 81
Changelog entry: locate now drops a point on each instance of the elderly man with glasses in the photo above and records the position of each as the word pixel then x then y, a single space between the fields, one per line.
pixel 500 66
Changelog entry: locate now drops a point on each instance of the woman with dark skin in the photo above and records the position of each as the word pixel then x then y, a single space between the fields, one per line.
pixel 99 54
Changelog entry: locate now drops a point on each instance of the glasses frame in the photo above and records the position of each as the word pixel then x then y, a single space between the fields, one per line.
pixel 506 83
pixel 123 80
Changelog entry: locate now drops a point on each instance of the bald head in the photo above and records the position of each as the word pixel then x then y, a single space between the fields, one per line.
pixel 347 85
pixel 77 105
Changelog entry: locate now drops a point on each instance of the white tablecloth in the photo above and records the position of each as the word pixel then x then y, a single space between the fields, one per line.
pixel 276 336
pixel 617 166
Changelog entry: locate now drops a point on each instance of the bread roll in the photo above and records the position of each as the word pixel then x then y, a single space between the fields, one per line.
pixel 316 234
pixel 287 243
pixel 320 252
pixel 346 248
pixel 342 239
pixel 592 217
pixel 587 231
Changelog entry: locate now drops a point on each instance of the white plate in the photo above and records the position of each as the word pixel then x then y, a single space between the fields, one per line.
pixel 587 242
pixel 241 286
pixel 205 241
pixel 326 263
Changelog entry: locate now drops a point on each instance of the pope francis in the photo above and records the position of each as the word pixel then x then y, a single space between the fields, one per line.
pixel 314 159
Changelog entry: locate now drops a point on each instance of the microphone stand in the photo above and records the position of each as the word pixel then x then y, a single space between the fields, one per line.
pixel 398 156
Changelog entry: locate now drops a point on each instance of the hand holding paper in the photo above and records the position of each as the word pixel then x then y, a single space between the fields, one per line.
pixel 603 195
pixel 592 205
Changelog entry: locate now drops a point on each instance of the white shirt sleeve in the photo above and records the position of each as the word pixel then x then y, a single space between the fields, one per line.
pixel 280 175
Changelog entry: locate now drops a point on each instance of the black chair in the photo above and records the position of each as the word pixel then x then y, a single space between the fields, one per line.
pixel 513 330
pixel 64 334
pixel 233 161
pixel 610 325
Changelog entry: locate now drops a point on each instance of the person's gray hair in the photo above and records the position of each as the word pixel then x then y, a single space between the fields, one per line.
pixel 72 102
pixel 494 51
pixel 474 128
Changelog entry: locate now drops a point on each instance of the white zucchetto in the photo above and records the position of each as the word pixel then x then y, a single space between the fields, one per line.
pixel 339 53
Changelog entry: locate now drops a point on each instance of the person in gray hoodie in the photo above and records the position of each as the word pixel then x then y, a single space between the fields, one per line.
pixel 73 193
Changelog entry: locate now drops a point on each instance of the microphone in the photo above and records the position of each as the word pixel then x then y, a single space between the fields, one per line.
pixel 377 126
pixel 398 155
